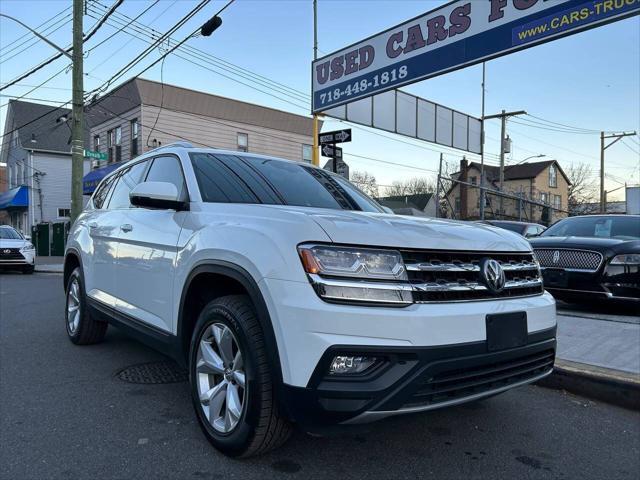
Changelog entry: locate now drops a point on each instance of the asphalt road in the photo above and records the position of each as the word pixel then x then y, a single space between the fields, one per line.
pixel 64 414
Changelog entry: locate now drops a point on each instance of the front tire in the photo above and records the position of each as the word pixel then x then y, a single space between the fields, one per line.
pixel 81 327
pixel 232 384
pixel 28 270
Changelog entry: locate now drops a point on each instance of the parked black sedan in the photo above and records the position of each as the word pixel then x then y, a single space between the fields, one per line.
pixel 591 258
pixel 526 229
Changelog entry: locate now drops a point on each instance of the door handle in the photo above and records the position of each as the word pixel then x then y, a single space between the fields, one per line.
pixel 126 227
pixel 92 225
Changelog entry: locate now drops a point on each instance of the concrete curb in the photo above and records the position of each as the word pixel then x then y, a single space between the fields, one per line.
pixel 49 268
pixel 604 384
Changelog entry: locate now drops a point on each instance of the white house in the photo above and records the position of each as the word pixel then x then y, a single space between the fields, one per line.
pixel 37 150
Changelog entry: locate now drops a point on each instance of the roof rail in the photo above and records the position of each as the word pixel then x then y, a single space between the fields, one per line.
pixel 181 144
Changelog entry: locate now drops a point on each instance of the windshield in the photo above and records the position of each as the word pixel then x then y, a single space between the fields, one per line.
pixel 621 228
pixel 514 227
pixel 241 179
pixel 9 234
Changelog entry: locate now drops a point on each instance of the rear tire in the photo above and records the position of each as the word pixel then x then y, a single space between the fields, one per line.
pixel 81 327
pixel 228 368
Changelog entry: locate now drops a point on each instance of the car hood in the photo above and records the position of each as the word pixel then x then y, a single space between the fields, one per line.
pixel 587 243
pixel 387 230
pixel 7 243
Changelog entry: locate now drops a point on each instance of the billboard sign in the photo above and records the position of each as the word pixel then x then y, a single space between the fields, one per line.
pixel 456 35
pixel 405 114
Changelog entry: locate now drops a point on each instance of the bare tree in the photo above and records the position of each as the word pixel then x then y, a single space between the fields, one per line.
pixel 365 182
pixel 412 186
pixel 583 191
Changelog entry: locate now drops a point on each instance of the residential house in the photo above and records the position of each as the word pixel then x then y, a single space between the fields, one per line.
pixel 420 204
pixel 142 114
pixel 37 152
pixel 542 186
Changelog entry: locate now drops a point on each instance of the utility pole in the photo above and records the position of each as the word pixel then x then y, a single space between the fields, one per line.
pixel 603 147
pixel 315 154
pixel 503 117
pixel 482 192
pixel 438 188
pixel 77 127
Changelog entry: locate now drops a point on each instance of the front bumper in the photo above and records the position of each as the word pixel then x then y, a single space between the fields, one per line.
pixel 417 379
pixel 611 282
pixel 17 259
pixel 309 331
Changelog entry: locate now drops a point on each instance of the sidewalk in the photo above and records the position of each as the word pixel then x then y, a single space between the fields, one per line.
pixel 603 343
pixel 49 264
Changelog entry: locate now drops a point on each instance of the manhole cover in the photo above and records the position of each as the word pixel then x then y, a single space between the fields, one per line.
pixel 153 373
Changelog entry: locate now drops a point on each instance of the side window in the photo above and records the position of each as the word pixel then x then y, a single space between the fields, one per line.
pixel 101 194
pixel 167 169
pixel 127 179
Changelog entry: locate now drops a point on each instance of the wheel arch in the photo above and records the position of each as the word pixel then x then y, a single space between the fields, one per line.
pixel 72 260
pixel 242 278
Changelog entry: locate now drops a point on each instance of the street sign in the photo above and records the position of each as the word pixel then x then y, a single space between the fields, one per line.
pixel 341 168
pixel 338 136
pixel 331 151
pixel 456 35
pixel 96 155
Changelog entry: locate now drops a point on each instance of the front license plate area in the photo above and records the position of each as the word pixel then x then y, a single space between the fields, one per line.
pixel 554 278
pixel 506 330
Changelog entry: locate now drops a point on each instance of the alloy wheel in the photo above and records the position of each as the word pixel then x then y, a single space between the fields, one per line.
pixel 221 377
pixel 73 306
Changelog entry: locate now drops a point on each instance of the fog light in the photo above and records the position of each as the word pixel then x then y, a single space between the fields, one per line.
pixel 343 365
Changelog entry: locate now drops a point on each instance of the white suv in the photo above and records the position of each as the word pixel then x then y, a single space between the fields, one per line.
pixel 292 297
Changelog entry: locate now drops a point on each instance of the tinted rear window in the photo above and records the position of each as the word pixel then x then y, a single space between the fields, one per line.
pixel 239 179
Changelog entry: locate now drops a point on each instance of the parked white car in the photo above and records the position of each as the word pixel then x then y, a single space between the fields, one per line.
pixel 16 252
pixel 293 298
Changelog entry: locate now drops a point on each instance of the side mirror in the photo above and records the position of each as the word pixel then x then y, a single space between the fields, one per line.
pixel 160 195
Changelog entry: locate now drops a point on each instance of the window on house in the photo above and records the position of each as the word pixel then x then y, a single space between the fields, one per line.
pixel 118 144
pixel 457 204
pixel 243 142
pixel 19 174
pixel 553 176
pixel 544 197
pixel 64 212
pixel 12 173
pixel 96 143
pixel 473 180
pixel 110 145
pixel 557 202
pixel 134 137
pixel 307 153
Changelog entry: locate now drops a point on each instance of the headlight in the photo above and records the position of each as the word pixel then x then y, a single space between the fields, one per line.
pixel 357 275
pixel 28 246
pixel 626 259
pixel 353 262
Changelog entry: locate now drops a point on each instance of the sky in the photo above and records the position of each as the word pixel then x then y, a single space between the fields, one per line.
pixel 590 80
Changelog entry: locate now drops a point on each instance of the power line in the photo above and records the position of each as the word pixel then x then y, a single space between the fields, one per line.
pixel 563 124
pixel 55 57
pixel 149 49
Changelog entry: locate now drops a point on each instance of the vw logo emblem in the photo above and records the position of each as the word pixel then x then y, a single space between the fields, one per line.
pixel 492 275
pixel 556 257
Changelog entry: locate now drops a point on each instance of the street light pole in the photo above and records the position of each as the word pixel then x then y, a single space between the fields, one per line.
pixel 77 120
pixel 44 39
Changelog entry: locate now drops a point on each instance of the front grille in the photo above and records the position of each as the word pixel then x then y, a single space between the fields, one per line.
pixel 564 258
pixel 455 384
pixel 10 254
pixel 441 276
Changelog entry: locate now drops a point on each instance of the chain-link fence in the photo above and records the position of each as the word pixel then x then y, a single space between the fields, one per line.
pixel 463 201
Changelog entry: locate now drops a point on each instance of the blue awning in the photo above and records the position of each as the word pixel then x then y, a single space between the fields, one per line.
pixel 93 178
pixel 15 198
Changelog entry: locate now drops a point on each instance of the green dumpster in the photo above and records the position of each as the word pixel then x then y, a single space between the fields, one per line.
pixel 40 238
pixel 59 238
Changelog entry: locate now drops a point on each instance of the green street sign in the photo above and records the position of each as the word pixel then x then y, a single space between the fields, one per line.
pixel 96 155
